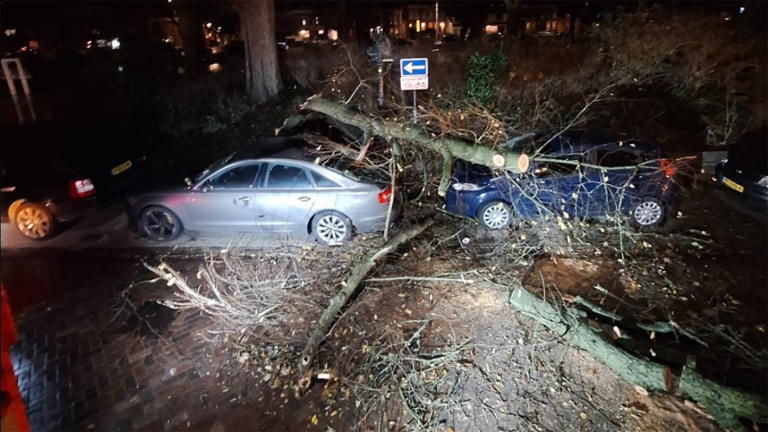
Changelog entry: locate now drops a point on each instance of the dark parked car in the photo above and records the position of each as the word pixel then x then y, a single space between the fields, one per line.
pixel 745 171
pixel 636 180
pixel 272 185
pixel 51 174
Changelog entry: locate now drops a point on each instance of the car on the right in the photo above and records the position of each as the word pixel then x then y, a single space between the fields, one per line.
pixel 745 172
pixel 577 174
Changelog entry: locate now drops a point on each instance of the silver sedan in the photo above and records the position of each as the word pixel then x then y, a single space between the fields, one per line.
pixel 278 195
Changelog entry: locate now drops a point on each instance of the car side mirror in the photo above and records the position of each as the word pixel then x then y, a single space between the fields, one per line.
pixel 188 181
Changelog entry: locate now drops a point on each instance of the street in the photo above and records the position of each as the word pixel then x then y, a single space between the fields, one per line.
pixel 84 363
pixel 108 228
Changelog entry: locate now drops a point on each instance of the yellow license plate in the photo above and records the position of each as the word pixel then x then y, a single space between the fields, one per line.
pixel 733 185
pixel 122 167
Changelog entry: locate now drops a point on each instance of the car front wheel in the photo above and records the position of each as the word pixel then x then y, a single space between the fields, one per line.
pixel 331 228
pixel 495 215
pixel 648 213
pixel 35 221
pixel 159 224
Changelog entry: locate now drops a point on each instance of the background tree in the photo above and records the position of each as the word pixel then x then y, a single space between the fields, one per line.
pixel 191 31
pixel 514 9
pixel 257 24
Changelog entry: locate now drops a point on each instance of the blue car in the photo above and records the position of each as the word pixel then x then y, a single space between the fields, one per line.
pixel 578 174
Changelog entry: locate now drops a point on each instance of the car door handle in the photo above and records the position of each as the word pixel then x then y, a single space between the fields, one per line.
pixel 244 199
pixel 304 199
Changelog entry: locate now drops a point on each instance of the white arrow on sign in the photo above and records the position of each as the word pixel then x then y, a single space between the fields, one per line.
pixel 410 67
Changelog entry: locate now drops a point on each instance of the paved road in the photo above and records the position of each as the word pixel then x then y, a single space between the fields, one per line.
pixel 108 228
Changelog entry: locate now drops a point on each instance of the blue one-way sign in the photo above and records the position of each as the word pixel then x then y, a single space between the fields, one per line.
pixel 414 67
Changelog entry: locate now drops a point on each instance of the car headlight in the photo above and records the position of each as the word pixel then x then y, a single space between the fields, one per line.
pixel 763 181
pixel 466 187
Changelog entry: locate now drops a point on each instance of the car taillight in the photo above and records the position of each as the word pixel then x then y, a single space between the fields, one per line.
pixel 385 195
pixel 666 165
pixel 81 188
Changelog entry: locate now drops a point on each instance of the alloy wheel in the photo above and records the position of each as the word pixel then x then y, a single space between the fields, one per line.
pixel 331 229
pixel 159 224
pixel 496 216
pixel 34 222
pixel 647 213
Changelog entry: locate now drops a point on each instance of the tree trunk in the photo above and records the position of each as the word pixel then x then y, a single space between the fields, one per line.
pixel 448 147
pixel 513 17
pixel 725 404
pixel 647 375
pixel 191 32
pixel 262 74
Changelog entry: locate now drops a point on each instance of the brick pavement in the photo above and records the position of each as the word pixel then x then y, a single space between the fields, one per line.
pixel 76 371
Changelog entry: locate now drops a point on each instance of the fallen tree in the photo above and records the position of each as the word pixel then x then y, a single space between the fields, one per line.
pixel 448 147
pixel 726 405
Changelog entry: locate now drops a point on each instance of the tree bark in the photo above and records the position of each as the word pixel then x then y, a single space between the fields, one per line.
pixel 446 146
pixel 262 74
pixel 643 373
pixel 725 404
pixel 357 274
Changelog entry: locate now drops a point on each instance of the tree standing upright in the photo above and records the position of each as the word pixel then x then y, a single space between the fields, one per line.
pixel 257 24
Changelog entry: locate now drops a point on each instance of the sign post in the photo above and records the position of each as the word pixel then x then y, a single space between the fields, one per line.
pixel 414 75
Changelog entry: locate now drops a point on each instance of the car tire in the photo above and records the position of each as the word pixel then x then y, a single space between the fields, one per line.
pixel 36 222
pixel 648 213
pixel 159 224
pixel 495 215
pixel 331 228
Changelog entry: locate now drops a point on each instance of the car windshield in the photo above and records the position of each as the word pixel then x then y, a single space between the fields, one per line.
pixel 213 167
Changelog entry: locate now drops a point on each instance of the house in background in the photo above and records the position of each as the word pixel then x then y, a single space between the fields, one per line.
pixel 429 20
pixel 538 19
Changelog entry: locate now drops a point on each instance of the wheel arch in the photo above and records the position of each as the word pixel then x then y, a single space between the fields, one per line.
pixel 14 207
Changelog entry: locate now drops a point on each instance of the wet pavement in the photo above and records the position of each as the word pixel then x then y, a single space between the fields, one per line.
pixel 108 229
pixel 82 364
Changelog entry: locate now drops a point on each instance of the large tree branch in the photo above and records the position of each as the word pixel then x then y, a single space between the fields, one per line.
pixel 453 147
pixel 357 274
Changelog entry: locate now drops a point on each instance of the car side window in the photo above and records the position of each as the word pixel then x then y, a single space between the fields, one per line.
pixel 618 158
pixel 552 168
pixel 323 181
pixel 239 177
pixel 287 177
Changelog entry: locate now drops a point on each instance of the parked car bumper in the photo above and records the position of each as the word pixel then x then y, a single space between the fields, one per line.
pixel 378 222
pixel 66 211
pixel 754 194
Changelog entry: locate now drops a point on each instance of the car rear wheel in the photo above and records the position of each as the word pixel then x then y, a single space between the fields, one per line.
pixel 495 215
pixel 331 228
pixel 648 213
pixel 159 224
pixel 35 221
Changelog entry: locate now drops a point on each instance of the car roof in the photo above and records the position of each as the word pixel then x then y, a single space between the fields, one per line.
pixel 265 147
pixel 581 140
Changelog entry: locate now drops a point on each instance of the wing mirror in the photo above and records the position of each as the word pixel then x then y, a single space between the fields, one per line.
pixel 188 181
